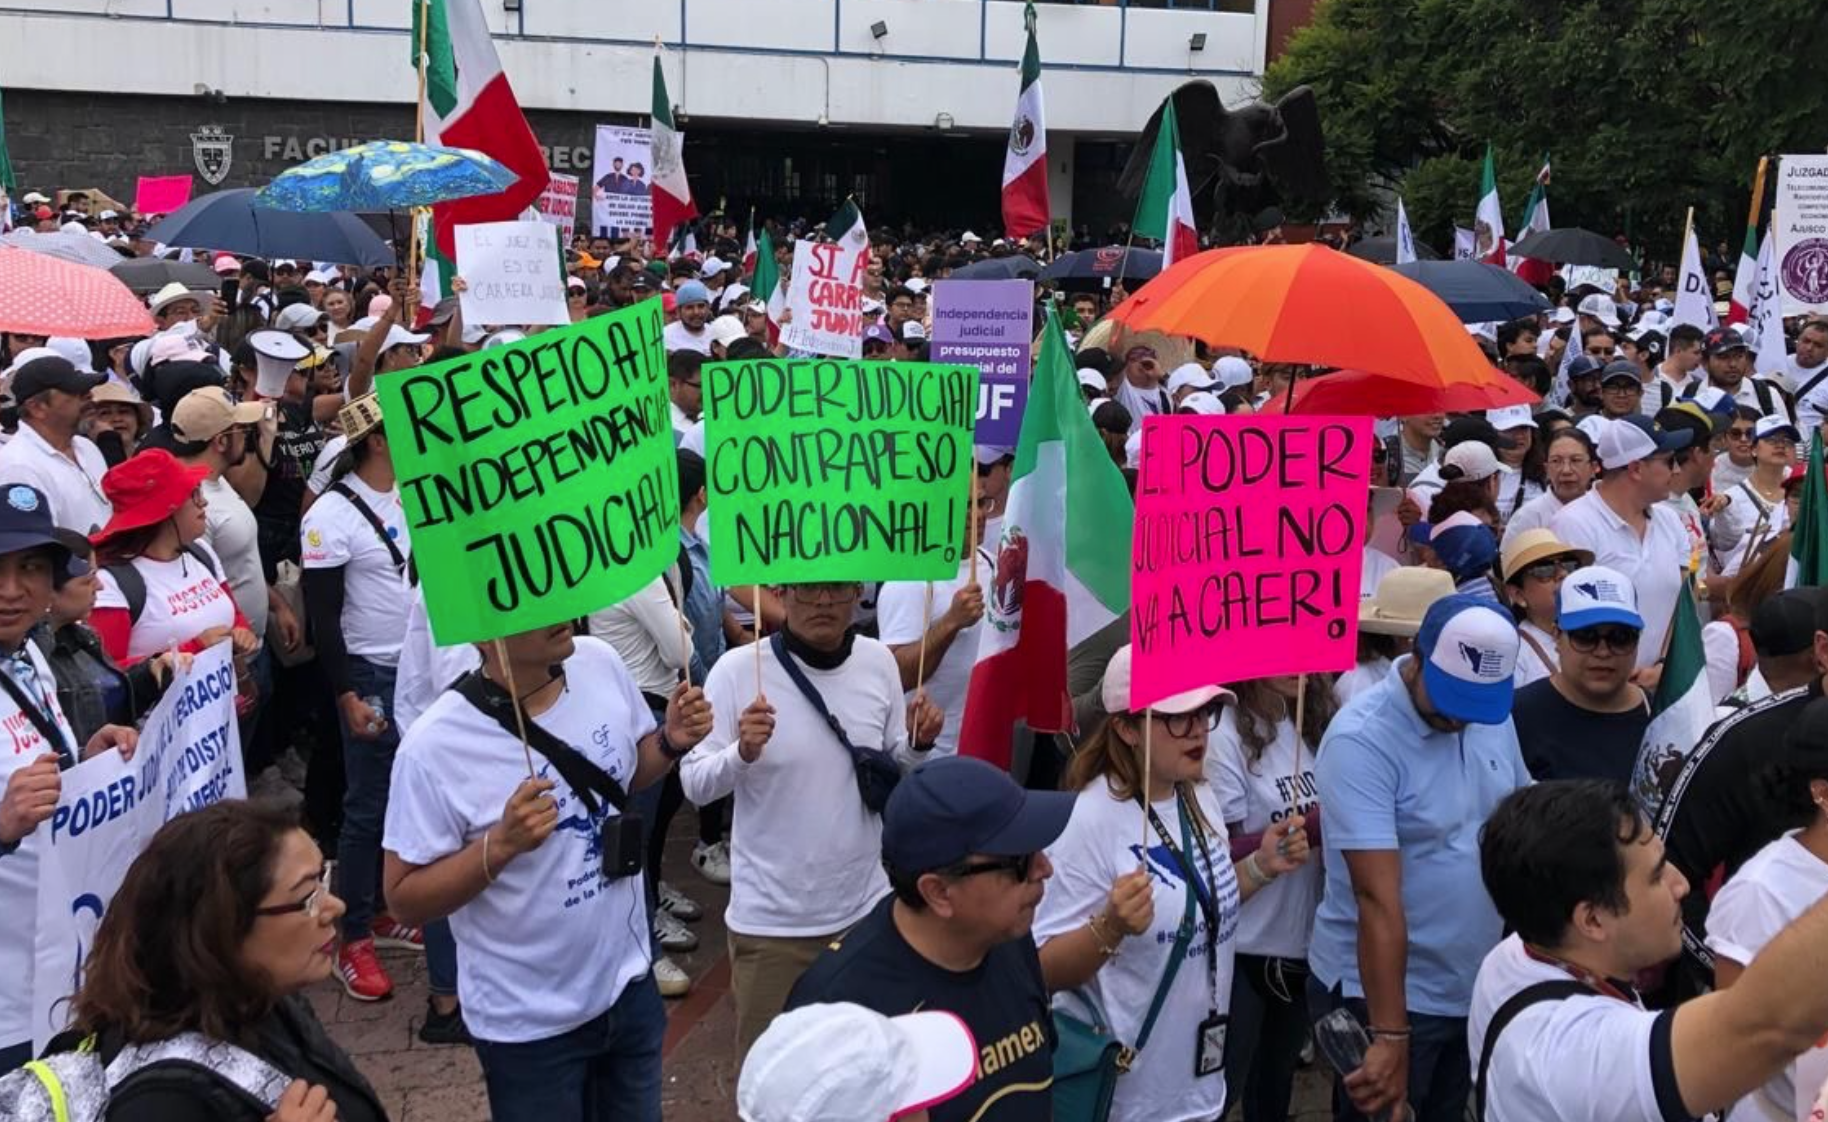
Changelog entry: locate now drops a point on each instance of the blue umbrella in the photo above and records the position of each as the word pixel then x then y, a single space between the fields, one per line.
pixel 1477 292
pixel 229 220
pixel 386 175
pixel 1091 269
pixel 1017 266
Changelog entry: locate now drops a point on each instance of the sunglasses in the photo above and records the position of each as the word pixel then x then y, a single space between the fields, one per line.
pixel 1016 866
pixel 815 595
pixel 311 905
pixel 1550 570
pixel 1739 434
pixel 1617 639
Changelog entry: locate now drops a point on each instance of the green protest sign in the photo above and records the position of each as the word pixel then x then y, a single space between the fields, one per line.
pixel 538 479
pixel 821 470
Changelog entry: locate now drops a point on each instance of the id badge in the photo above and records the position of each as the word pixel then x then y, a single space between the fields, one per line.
pixel 1209 1054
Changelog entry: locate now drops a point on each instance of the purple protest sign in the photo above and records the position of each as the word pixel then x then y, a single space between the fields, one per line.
pixel 988 324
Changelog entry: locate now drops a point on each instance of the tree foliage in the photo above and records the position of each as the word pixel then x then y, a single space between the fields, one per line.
pixel 1647 106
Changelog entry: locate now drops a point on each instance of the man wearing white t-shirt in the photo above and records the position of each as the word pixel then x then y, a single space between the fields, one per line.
pixel 692 303
pixel 1557 1034
pixel 805 852
pixel 948 613
pixel 47 453
pixel 525 849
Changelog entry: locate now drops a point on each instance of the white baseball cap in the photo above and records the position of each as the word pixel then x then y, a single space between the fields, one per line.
pixel 1511 417
pixel 1232 372
pixel 1600 307
pixel 713 265
pixel 1474 459
pixel 726 329
pixel 1115 691
pixel 398 336
pixel 1595 595
pixel 1626 440
pixel 1189 375
pixel 75 350
pixel 842 1063
pixel 1092 380
pixel 1468 651
pixel 1203 404
pixel 968 236
pixel 1764 429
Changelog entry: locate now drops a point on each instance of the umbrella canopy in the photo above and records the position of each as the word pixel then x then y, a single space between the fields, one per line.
pixel 80 249
pixel 149 274
pixel 1351 392
pixel 1574 246
pixel 1476 291
pixel 229 220
pixel 1382 251
pixel 386 175
pixel 1018 266
pixel 42 295
pixel 1093 268
pixel 1313 305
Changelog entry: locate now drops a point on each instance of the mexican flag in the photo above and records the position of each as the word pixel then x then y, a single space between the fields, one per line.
pixel 469 104
pixel 846 227
pixel 1745 279
pixel 1405 237
pixel 1679 713
pixel 8 181
pixel 668 189
pixel 1809 540
pixel 749 246
pixel 1488 220
pixel 1061 572
pixel 1165 209
pixel 1535 221
pixel 765 284
pixel 1025 207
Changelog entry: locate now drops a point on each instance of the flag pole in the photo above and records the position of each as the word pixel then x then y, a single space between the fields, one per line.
pixel 920 665
pixel 1758 193
pixel 971 554
pixel 412 242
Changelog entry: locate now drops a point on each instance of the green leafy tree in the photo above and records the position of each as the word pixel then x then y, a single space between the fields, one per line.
pixel 1648 106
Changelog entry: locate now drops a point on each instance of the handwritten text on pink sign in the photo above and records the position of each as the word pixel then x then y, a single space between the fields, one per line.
pixel 1246 556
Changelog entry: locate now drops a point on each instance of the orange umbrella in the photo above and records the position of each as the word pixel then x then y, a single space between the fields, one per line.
pixel 1356 392
pixel 1312 305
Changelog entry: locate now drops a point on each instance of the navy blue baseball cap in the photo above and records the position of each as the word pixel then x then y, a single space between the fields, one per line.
pixel 25 523
pixel 947 809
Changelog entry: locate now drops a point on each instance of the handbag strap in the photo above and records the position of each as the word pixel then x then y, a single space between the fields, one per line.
pixel 582 773
pixel 46 727
pixel 1557 990
pixel 1183 935
pixel 809 691
pixel 374 520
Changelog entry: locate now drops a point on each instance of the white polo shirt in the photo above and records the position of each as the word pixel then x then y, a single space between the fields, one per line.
pixel 1585 1058
pixel 74 486
pixel 1653 563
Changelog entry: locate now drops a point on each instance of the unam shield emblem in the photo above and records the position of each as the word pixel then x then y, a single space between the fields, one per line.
pixel 213 152
pixel 1005 607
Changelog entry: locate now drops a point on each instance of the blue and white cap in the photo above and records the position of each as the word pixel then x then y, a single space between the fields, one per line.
pixel 1468 650
pixel 1594 595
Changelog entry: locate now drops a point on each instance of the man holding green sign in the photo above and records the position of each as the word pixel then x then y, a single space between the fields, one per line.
pixel 538 478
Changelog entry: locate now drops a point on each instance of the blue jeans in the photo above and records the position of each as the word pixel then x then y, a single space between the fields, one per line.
pixel 1440 1076
pixel 368 767
pixel 1269 1019
pixel 605 1070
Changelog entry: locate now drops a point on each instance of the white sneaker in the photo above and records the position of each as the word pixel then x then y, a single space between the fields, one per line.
pixel 670 979
pixel 712 861
pixel 673 935
pixel 679 904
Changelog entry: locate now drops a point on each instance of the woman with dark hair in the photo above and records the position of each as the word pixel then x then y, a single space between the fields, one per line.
pixel 219 926
pixel 1778 883
pixel 1533 565
pixel 1264 775
pixel 1572 465
pixel 1122 936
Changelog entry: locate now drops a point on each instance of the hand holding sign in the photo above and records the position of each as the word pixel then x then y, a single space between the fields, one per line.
pixel 753 729
pixel 31 796
pixel 967 607
pixel 1284 848
pixel 1132 902
pixel 527 821
pixel 126 740
pixel 925 720
pixel 688 716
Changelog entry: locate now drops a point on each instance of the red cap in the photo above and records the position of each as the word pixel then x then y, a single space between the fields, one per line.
pixel 146 489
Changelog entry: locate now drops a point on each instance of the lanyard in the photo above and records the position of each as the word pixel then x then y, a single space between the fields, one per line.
pixel 1201 892
pixel 1605 987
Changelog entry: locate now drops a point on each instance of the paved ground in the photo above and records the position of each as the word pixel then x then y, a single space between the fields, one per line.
pixel 419 1083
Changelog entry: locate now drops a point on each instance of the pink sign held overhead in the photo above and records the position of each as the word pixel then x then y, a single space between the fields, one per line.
pixel 161 194
pixel 1246 557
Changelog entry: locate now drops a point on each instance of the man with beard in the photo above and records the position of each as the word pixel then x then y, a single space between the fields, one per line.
pixel 692 300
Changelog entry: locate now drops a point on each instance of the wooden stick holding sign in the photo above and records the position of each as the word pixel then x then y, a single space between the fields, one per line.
pixel 920 665
pixel 1148 749
pixel 755 599
pixel 971 544
pixel 520 717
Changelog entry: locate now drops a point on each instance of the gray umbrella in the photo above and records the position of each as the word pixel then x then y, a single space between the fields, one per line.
pixel 78 248
pixel 149 274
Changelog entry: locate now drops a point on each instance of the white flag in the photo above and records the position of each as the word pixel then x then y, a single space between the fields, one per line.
pixel 1694 295
pixel 1466 244
pixel 1405 240
pixel 1767 313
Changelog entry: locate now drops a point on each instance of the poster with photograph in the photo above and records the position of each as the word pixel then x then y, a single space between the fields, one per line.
pixel 619 201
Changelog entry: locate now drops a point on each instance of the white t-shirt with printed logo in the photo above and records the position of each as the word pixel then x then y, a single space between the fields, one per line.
pixel 1769 892
pixel 1279 918
pixel 20 747
pixel 902 617
pixel 184 598
pixel 550 944
pixel 1102 842
pixel 375 593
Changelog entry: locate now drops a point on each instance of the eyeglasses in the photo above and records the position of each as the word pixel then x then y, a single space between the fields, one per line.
pixel 1558 463
pixel 311 905
pixel 1018 866
pixel 1617 639
pixel 817 594
pixel 1780 441
pixel 1739 434
pixel 1622 387
pixel 1205 719
pixel 1550 570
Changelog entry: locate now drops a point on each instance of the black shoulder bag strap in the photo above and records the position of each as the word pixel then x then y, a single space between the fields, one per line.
pixel 579 771
pixel 1530 995
pixel 809 691
pixel 373 520
pixel 46 727
pixel 1811 384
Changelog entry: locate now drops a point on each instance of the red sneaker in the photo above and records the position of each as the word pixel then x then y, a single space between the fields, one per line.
pixel 392 935
pixel 361 972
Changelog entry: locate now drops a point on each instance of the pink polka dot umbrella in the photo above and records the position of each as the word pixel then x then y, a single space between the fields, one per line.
pixel 42 295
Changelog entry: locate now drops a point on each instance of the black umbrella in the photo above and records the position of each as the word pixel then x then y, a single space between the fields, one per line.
pixel 1017 266
pixel 229 220
pixel 1093 269
pixel 1574 246
pixel 1382 251
pixel 149 274
pixel 1476 291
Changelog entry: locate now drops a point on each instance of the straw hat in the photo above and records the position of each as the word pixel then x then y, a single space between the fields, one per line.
pixel 1531 546
pixel 360 417
pixel 1402 599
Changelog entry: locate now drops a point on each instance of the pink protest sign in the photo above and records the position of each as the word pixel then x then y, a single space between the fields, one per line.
pixel 161 194
pixel 1248 549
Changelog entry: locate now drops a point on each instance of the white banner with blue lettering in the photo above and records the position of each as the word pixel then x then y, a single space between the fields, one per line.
pixel 189 756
